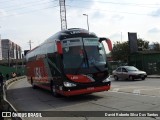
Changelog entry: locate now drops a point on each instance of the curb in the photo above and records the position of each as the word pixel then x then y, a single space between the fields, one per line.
pixel 10 107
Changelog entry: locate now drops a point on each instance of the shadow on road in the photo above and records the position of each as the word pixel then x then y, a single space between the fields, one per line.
pixel 27 99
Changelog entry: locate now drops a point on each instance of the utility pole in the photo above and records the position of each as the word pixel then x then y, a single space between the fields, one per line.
pixel 63 14
pixel 30 44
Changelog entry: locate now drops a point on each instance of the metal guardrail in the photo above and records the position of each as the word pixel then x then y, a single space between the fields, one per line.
pixel 7 106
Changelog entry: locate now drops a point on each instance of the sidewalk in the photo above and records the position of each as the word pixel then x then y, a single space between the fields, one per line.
pixel 153 76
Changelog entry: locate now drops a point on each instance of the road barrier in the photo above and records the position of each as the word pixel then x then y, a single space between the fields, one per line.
pixel 7 107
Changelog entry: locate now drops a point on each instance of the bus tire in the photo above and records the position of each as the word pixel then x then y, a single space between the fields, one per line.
pixel 53 90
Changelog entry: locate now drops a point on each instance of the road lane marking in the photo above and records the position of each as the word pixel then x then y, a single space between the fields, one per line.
pixel 122 87
pixel 136 92
pixel 150 89
pixel 115 90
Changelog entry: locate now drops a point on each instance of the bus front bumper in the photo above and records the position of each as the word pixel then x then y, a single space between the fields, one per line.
pixel 84 91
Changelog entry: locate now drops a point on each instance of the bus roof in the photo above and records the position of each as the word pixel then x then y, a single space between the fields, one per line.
pixel 72 32
pixel 68 33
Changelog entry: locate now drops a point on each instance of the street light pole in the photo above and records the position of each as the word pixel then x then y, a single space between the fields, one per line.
pixel 87 21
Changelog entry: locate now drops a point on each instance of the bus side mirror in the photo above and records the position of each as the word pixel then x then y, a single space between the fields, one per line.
pixel 59 47
pixel 108 41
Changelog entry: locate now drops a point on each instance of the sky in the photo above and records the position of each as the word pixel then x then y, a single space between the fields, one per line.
pixel 37 20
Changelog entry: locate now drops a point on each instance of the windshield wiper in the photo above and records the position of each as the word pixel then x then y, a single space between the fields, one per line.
pixel 97 68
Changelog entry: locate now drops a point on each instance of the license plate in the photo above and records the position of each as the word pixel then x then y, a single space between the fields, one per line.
pixel 90 88
pixel 142 75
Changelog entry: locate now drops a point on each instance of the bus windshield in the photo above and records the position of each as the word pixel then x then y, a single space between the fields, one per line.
pixel 83 53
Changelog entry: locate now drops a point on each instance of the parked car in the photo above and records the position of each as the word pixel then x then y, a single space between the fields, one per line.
pixel 128 72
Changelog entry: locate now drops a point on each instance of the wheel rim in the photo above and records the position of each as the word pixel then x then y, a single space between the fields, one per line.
pixel 115 77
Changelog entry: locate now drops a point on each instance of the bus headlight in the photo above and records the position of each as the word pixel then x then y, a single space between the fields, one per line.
pixel 68 84
pixel 106 80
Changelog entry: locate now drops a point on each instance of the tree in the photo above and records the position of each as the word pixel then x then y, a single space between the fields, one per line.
pixel 142 44
pixel 156 46
pixel 120 51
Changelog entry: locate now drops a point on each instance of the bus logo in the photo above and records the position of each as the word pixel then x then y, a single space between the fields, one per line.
pixel 74 77
pixel 38 73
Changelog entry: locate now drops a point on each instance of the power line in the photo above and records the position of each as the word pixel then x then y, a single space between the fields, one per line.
pixel 75 7
pixel 27 3
pixel 36 10
pixel 72 1
pixel 124 3
pixel 6 1
pixel 109 10
pixel 20 8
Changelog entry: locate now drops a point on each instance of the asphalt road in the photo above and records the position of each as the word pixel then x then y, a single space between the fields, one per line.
pixel 123 96
pixel 148 87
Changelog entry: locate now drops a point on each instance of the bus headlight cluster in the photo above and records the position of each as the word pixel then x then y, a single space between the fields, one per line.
pixel 106 80
pixel 68 84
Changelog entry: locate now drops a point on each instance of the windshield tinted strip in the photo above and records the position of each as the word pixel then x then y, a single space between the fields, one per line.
pixel 72 42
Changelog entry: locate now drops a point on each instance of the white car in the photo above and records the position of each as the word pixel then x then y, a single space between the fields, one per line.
pixel 128 72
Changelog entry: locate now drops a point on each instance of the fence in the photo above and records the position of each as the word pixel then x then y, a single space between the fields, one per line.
pixel 8 70
pixel 149 61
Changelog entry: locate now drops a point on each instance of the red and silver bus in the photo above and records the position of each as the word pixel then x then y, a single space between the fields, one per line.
pixel 71 62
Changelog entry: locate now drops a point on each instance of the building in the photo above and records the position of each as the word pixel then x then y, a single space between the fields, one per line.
pixel 10 50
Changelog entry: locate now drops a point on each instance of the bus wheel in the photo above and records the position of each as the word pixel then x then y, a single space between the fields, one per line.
pixel 53 90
